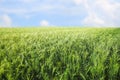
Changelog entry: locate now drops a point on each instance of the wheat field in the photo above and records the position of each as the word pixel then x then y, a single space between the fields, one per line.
pixel 59 53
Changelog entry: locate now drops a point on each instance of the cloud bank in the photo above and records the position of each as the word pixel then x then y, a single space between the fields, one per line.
pixel 44 23
pixel 102 13
pixel 5 21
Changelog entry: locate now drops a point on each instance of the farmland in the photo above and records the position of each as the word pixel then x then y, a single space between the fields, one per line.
pixel 59 53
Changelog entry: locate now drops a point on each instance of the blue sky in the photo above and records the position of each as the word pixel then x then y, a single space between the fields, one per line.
pixel 101 13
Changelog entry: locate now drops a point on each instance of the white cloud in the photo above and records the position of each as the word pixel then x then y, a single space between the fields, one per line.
pixel 5 21
pixel 44 23
pixel 27 1
pixel 109 8
pixel 93 20
pixel 78 2
pixel 14 10
pixel 101 12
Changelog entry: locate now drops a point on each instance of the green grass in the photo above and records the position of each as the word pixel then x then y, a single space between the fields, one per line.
pixel 59 53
